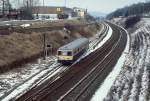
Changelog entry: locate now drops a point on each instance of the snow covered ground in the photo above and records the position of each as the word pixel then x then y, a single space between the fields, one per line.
pixel 17 81
pixel 132 84
pixel 12 79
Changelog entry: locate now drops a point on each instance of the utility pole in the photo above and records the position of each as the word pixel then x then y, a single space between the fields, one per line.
pixel 44 41
pixel 27 4
pixel 30 3
pixel 43 3
pixel 9 7
pixel 3 7
pixel 44 46
pixel 65 3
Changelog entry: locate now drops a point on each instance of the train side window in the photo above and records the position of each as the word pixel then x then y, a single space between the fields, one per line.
pixel 59 52
pixel 74 52
pixel 69 53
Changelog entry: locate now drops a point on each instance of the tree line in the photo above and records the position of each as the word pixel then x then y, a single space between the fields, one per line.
pixel 135 9
pixel 22 7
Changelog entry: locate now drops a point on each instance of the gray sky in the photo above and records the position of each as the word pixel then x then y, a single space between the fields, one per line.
pixel 105 6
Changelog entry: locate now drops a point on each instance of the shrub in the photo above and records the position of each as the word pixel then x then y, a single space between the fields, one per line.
pixel 131 21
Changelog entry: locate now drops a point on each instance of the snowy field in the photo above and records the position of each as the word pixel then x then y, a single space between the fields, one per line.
pixel 132 84
pixel 20 80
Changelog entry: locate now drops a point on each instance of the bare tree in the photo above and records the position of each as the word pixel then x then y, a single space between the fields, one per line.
pixel 2 6
pixel 147 0
pixel 30 3
pixel 27 8
pixel 24 3
pixel 5 6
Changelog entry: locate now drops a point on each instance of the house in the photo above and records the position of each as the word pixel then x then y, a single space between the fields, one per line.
pixel 80 12
pixel 48 12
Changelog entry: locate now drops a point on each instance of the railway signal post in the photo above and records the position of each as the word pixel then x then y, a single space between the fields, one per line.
pixel 44 46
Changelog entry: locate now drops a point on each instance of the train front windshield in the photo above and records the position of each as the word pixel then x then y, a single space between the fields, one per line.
pixel 65 53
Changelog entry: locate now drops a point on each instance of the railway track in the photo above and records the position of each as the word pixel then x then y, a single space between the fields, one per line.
pixel 51 76
pixel 68 84
pixel 91 76
pixel 43 78
pixel 54 77
pixel 86 77
pixel 99 36
pixel 39 82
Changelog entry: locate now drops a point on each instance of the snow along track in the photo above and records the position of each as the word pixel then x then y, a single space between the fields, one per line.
pixel 28 84
pixel 105 87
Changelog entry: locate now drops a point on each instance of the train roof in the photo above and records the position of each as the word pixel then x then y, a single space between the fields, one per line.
pixel 74 44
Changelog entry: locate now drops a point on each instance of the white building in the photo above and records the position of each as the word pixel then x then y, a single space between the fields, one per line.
pixel 80 12
pixel 40 12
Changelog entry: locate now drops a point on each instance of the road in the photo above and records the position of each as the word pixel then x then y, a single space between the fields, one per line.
pixel 81 80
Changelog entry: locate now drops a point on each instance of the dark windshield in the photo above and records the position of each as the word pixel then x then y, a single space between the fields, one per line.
pixel 69 53
pixel 59 52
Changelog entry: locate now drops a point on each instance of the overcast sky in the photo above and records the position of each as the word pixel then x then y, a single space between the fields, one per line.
pixel 105 6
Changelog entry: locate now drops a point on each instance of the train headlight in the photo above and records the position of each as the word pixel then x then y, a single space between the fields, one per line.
pixel 60 58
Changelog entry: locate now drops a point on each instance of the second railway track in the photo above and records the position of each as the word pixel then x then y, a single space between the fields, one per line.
pixel 73 84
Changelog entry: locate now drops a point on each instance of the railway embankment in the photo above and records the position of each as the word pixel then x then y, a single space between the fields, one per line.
pixel 19 46
pixel 132 83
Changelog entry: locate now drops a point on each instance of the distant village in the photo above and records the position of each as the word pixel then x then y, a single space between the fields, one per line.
pixel 57 12
pixel 30 11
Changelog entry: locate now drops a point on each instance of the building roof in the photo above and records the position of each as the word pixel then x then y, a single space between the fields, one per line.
pixel 50 10
pixel 74 44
